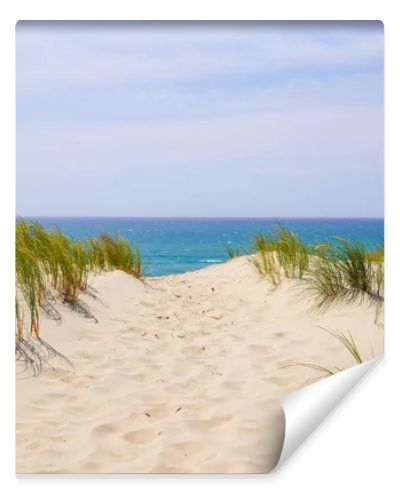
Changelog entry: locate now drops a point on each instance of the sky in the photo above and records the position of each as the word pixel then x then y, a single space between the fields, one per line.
pixel 262 119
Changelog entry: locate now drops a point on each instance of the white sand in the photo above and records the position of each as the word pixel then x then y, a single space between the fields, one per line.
pixel 180 374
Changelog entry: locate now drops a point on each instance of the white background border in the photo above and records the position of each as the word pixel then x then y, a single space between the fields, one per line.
pixel 355 453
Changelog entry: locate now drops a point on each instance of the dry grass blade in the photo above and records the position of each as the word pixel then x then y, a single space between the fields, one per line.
pixel 326 371
pixel 347 341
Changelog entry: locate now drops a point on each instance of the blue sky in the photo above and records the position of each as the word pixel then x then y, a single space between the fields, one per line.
pixel 262 119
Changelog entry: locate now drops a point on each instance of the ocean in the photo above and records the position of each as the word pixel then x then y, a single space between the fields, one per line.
pixel 177 245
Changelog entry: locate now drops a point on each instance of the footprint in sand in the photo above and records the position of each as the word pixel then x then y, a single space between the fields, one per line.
pixel 280 335
pixel 104 430
pixel 142 436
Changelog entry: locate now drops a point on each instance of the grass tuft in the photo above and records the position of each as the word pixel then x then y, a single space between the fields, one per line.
pixel 49 260
pixel 267 265
pixel 233 252
pixel 346 272
pixel 280 254
pixel 118 254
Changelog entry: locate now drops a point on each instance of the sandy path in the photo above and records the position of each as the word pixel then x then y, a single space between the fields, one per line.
pixel 180 374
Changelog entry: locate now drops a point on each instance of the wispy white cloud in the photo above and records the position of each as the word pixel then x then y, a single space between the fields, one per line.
pixel 68 57
pixel 183 121
pixel 335 139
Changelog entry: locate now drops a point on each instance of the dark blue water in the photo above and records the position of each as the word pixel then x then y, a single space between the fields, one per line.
pixel 170 246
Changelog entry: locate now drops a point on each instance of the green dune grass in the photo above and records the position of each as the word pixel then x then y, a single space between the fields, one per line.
pixel 280 254
pixel 333 272
pixel 346 272
pixel 233 252
pixel 48 262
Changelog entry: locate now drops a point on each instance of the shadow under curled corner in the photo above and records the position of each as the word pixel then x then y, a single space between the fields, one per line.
pixel 306 408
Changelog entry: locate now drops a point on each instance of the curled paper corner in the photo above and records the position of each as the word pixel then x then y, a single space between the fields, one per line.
pixel 306 408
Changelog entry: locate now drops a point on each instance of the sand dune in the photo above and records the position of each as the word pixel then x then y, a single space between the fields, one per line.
pixel 179 374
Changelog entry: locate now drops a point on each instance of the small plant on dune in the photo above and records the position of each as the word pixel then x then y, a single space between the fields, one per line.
pixel 280 253
pixel 233 252
pixel 350 345
pixel 346 272
pixel 118 254
pixel 42 246
pixel 72 266
pixel 96 254
pixel 267 265
pixel 136 268
pixel 293 254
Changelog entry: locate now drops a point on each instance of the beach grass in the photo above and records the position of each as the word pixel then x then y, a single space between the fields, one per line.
pixel 332 272
pixel 267 265
pixel 30 280
pixel 233 252
pixel 56 261
pixel 280 254
pixel 116 253
pixel 345 272
pixel 73 266
pixel 48 262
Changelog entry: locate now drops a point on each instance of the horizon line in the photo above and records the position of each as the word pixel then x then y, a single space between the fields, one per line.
pixel 196 217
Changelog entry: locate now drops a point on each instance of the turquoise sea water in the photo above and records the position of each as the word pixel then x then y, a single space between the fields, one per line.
pixel 170 245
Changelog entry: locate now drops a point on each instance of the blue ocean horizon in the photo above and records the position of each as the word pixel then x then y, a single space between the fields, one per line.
pixel 177 245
